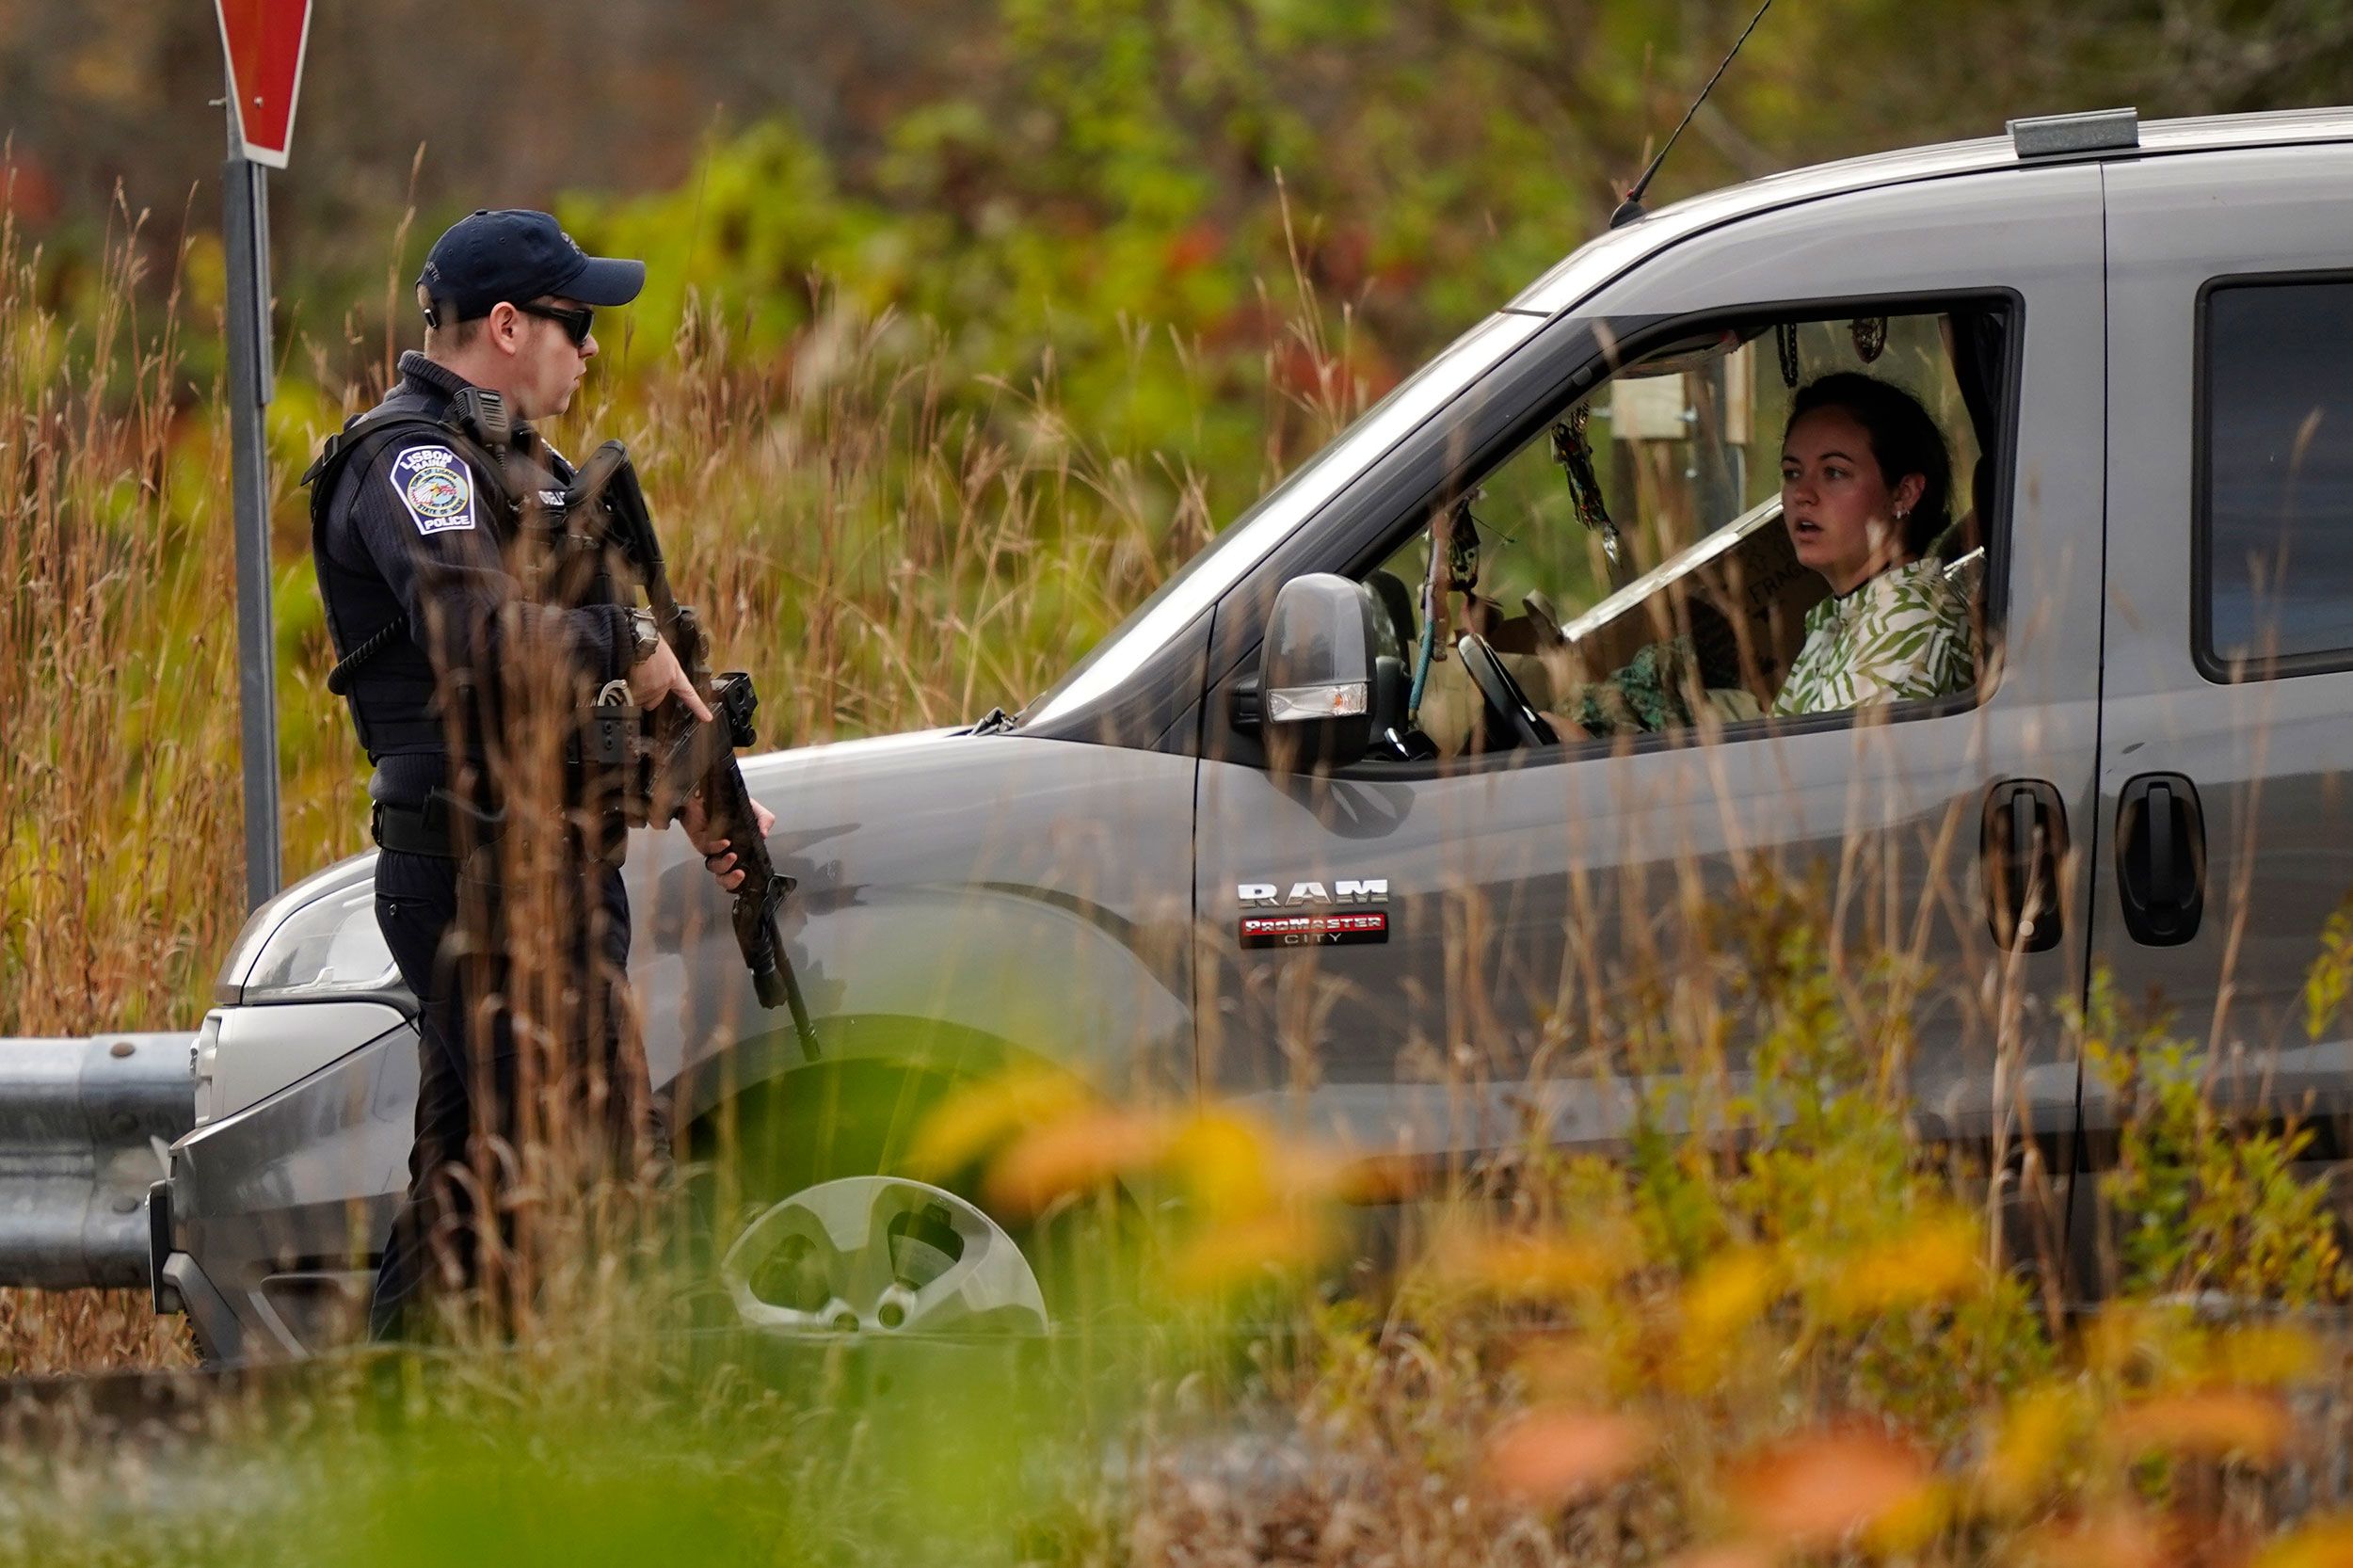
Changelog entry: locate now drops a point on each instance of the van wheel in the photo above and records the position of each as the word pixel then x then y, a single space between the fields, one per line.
pixel 803 1197
pixel 880 1255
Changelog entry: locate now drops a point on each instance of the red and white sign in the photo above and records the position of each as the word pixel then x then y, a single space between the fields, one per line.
pixel 263 41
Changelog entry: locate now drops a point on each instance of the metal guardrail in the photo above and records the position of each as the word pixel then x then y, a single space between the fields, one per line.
pixel 83 1129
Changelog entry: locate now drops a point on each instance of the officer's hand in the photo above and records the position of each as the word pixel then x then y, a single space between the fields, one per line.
pixel 714 850
pixel 660 678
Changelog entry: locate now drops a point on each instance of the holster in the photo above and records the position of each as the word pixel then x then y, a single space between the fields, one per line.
pixel 432 828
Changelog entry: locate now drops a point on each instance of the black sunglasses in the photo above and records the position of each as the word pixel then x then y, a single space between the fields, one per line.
pixel 575 323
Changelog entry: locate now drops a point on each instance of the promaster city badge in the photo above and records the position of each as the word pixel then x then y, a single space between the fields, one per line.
pixel 1314 931
pixel 1304 928
pixel 437 489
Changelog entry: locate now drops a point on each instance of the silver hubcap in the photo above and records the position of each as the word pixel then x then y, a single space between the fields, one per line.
pixel 880 1255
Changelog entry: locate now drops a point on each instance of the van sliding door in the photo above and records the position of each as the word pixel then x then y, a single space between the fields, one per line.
pixel 2226 808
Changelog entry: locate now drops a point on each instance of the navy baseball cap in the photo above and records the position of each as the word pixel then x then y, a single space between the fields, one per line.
pixel 519 255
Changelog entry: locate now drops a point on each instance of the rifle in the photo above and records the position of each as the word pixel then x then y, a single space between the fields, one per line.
pixel 688 754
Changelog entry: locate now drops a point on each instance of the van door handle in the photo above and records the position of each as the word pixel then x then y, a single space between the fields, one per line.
pixel 2160 858
pixel 2020 844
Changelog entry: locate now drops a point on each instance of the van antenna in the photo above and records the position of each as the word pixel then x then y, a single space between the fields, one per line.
pixel 1631 208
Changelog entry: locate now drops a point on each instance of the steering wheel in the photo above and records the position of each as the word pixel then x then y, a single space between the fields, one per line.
pixel 1505 700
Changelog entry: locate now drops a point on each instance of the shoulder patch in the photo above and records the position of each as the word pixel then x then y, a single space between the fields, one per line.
pixel 436 487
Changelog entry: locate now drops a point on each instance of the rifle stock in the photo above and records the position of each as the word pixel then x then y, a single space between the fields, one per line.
pixel 692 755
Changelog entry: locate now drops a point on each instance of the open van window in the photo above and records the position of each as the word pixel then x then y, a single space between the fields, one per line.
pixel 1629 570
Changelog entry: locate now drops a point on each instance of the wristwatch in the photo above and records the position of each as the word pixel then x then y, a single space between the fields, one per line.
pixel 643 638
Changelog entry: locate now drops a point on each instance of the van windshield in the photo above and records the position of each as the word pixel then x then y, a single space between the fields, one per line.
pixel 1230 556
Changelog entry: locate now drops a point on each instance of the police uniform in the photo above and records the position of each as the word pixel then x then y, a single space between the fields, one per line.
pixel 416 515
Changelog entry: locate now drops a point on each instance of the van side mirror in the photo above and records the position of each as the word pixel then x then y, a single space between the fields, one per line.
pixel 1319 678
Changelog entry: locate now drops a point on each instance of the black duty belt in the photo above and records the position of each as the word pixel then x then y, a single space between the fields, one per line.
pixel 427 829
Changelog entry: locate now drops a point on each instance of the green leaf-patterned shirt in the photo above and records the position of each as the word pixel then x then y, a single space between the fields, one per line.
pixel 1901 635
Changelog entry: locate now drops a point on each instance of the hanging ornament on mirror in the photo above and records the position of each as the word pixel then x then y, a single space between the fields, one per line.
pixel 1573 451
pixel 1870 337
pixel 1785 339
pixel 1462 546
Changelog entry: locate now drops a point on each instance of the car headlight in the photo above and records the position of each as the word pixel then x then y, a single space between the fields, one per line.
pixel 203 1062
pixel 329 946
pixel 293 937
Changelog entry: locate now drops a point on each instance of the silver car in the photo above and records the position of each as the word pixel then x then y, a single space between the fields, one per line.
pixel 1231 854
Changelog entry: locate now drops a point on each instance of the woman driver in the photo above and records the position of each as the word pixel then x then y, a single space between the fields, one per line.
pixel 1893 628
pixel 1866 486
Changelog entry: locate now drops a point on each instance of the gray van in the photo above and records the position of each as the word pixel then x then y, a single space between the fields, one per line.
pixel 1276 839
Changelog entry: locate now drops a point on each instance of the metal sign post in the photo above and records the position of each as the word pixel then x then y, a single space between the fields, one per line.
pixel 244 220
pixel 263 41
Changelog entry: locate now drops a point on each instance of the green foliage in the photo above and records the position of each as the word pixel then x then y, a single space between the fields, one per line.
pixel 2199 1201
pixel 1136 205
pixel 2331 977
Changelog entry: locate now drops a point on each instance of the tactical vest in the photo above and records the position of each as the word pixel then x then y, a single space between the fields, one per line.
pixel 382 670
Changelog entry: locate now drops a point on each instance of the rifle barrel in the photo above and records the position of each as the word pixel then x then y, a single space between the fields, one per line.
pixel 609 482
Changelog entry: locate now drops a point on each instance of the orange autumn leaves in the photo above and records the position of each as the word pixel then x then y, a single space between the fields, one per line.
pixel 1816 1491
pixel 1672 1377
pixel 1641 1375
pixel 1251 1203
pixel 1805 1493
pixel 2054 1468
pixel 1698 1325
pixel 1826 1488
pixel 1552 1457
pixel 2207 1423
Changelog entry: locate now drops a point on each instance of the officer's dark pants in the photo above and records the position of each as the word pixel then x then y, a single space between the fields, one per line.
pixel 468 1062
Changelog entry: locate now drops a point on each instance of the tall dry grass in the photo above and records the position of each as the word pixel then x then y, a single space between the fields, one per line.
pixel 117 661
pixel 117 676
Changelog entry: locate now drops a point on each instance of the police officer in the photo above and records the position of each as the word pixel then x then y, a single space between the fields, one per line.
pixel 421 513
